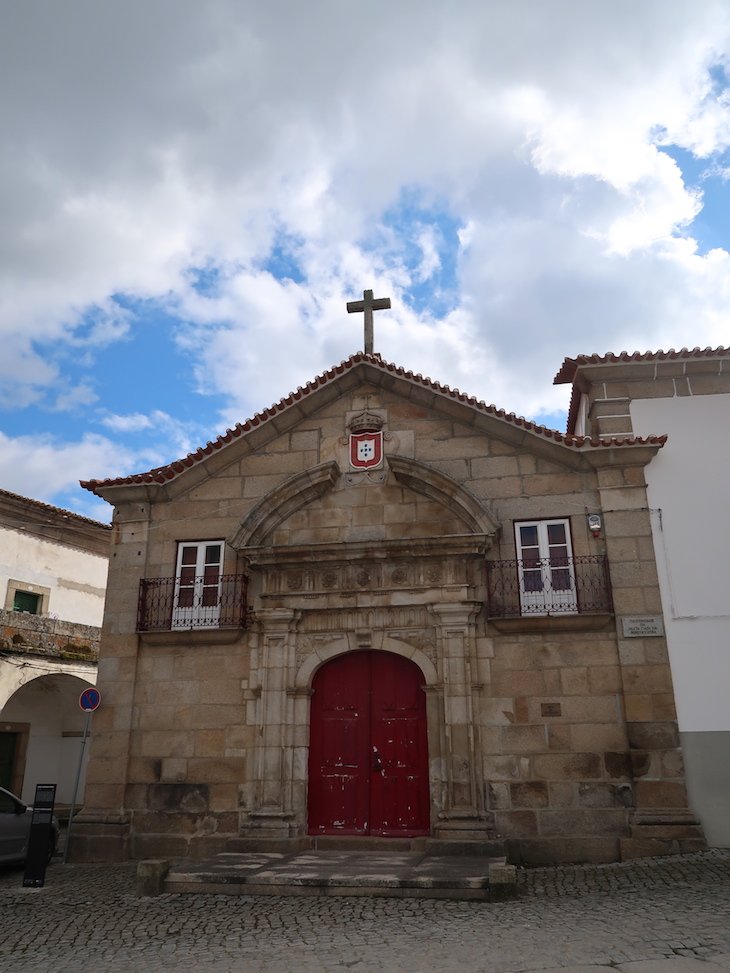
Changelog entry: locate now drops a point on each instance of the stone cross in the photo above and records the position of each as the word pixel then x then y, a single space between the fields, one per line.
pixel 368 305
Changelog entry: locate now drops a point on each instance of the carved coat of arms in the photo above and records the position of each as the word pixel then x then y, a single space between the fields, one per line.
pixel 366 450
pixel 366 441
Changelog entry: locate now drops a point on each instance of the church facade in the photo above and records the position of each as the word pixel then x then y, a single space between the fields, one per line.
pixel 383 608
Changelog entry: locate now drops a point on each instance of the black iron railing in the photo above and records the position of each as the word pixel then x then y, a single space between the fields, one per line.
pixel 548 586
pixel 167 606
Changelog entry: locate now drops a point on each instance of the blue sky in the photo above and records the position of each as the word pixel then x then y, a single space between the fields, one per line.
pixel 192 192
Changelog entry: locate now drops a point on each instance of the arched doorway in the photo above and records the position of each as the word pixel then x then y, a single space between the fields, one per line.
pixel 368 747
pixel 47 707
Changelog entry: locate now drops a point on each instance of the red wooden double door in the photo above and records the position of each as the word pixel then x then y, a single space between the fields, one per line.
pixel 368 748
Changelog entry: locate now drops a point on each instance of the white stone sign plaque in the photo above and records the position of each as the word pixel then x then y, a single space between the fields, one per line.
pixel 642 626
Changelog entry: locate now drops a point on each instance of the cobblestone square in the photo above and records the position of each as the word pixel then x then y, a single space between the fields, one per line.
pixel 648 916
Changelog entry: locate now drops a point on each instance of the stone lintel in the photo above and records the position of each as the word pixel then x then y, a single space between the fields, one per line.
pixel 297 555
pixel 193 636
pixel 562 622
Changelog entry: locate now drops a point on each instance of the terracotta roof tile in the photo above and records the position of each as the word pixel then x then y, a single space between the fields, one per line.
pixel 570 365
pixel 66 514
pixel 163 474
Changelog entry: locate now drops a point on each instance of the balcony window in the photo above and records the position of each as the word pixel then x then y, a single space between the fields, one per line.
pixel 198 585
pixel 545 568
pixel 199 596
pixel 546 578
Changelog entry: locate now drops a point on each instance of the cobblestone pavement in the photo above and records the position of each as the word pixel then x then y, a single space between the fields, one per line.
pixel 667 915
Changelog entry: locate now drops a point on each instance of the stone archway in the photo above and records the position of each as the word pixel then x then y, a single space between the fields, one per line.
pixel 49 707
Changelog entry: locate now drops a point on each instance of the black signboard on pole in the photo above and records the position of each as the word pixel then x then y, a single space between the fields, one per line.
pixel 39 840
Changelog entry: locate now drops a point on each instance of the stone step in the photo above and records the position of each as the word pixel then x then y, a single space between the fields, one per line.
pixel 430 846
pixel 491 847
pixel 410 874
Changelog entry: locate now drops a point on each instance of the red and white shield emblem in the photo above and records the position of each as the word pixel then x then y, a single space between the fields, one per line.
pixel 366 450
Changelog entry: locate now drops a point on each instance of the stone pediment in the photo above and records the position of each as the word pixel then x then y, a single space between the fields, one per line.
pixel 281 503
pixel 302 490
pixel 437 486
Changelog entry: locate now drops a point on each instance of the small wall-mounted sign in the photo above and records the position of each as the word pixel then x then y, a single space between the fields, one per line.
pixel 642 626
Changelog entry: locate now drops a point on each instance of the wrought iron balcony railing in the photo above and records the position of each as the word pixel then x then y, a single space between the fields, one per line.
pixel 166 605
pixel 548 586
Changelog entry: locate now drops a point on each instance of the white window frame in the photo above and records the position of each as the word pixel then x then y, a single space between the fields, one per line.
pixel 545 571
pixel 195 588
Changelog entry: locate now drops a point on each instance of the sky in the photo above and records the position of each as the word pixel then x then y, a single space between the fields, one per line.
pixel 190 192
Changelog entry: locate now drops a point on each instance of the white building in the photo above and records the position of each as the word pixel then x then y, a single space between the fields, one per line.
pixel 53 568
pixel 685 395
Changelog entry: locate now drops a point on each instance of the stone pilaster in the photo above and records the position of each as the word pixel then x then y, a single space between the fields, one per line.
pixel 101 829
pixel 462 811
pixel 274 814
pixel 662 822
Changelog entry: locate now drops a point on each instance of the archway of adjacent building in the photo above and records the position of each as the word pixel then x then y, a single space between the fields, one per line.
pixel 368 753
pixel 48 707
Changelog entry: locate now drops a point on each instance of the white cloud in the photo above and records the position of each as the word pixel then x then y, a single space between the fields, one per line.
pixel 145 141
pixel 129 423
pixel 167 437
pixel 43 467
pixel 430 259
pixel 72 399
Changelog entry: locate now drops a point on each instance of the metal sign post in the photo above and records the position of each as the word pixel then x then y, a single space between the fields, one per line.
pixel 89 701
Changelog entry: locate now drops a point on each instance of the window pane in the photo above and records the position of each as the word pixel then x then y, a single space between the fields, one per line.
pixel 210 596
pixel 187 576
pixel 185 598
pixel 556 534
pixel 560 580
pixel 210 574
pixel 26 601
pixel 528 536
pixel 532 580
pixel 189 555
pixel 213 554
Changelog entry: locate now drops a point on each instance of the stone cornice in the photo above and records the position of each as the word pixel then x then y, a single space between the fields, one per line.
pixel 298 555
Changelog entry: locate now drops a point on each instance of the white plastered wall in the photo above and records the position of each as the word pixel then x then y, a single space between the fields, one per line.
pixel 688 493
pixel 76 579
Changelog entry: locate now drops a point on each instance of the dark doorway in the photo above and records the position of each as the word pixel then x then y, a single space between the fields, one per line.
pixel 8 743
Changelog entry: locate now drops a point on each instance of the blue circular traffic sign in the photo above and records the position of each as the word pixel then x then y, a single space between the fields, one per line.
pixel 89 700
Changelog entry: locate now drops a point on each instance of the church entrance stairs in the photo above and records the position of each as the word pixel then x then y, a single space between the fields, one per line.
pixel 370 871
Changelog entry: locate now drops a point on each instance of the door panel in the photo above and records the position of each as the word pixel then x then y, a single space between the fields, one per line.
pixel 339 738
pixel 399 790
pixel 368 763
